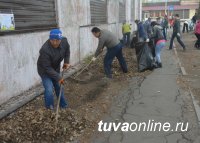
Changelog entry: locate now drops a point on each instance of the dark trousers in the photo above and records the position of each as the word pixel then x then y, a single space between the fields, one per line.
pixel 165 33
pixel 178 39
pixel 110 55
pixel 198 36
pixel 126 38
pixel 49 86
pixel 185 26
pixel 197 43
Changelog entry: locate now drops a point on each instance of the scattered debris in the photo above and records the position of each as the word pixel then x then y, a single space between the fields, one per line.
pixel 88 101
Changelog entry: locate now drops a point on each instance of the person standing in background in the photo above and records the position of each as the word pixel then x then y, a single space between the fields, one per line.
pixel 159 41
pixel 194 18
pixel 126 31
pixel 176 33
pixel 197 33
pixel 171 22
pixel 165 26
pixel 141 33
pixel 147 27
pixel 158 20
pixel 185 26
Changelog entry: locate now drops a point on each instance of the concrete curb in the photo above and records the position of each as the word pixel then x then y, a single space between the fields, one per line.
pixel 196 106
pixel 183 71
pixel 19 101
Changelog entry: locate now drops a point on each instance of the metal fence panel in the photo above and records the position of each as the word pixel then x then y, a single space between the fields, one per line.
pixel 98 9
pixel 31 14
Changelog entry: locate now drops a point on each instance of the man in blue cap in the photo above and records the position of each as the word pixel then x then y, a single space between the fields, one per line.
pixel 53 51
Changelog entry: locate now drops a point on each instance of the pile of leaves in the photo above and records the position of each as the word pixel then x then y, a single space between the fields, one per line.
pixel 129 55
pixel 39 126
pixel 33 123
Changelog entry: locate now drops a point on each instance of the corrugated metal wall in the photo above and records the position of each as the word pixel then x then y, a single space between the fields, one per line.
pixel 98 9
pixel 31 14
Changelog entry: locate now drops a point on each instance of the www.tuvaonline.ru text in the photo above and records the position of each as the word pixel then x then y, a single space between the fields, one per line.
pixel 150 126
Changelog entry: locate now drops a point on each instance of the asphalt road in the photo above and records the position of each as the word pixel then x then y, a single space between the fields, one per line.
pixel 157 98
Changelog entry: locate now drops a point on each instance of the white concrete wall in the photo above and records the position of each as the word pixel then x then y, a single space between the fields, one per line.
pixel 128 10
pixel 19 52
pixel 18 70
pixel 73 14
pixel 136 12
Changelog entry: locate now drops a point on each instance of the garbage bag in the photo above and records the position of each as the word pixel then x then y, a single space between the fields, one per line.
pixel 144 57
pixel 133 42
pixel 151 45
pixel 134 39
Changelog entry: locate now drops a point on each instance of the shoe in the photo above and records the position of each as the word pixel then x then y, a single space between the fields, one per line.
pixel 159 65
pixel 184 49
pixel 170 49
pixel 106 79
pixel 63 107
pixel 50 107
pixel 125 71
pixel 154 65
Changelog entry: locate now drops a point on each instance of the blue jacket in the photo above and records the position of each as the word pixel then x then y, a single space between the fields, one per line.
pixel 141 31
pixel 148 28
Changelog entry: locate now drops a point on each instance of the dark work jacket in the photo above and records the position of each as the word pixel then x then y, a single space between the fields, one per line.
pixel 50 58
pixel 141 31
pixel 157 33
pixel 176 27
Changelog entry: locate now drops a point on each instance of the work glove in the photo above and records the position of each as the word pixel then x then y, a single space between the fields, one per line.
pixel 66 66
pixel 61 81
pixel 147 40
pixel 178 34
pixel 94 59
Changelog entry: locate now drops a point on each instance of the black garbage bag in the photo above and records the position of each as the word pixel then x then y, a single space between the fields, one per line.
pixel 133 42
pixel 151 45
pixel 144 57
pixel 134 39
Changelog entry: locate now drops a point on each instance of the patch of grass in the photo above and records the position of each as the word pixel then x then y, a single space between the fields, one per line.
pixel 87 59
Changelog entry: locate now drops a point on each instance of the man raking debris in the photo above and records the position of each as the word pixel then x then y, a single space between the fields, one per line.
pixel 52 53
pixel 114 49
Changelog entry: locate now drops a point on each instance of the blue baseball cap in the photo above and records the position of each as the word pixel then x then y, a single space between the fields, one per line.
pixel 55 34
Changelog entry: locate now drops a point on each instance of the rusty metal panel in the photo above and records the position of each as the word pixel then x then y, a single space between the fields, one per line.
pixel 98 9
pixel 31 14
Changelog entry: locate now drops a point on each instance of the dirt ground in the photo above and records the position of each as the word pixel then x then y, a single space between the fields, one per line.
pixel 89 98
pixel 191 62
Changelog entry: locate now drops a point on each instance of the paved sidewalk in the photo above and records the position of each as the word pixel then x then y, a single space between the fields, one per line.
pixel 158 98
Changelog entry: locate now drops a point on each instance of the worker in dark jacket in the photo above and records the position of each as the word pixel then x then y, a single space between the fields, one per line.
pixel 159 42
pixel 54 50
pixel 164 25
pixel 147 27
pixel 114 49
pixel 176 33
pixel 194 18
pixel 141 32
